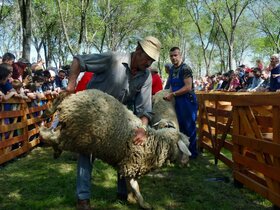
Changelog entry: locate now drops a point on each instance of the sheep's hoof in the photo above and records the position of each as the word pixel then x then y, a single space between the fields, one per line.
pixel 145 205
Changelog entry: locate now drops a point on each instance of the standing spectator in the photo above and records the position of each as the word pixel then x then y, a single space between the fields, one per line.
pixel 182 89
pixel 60 80
pixel 275 73
pixel 8 58
pixel 125 77
pixel 19 68
pixel 156 81
pixel 5 86
pixel 6 71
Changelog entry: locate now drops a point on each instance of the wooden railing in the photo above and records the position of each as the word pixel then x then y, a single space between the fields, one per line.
pixel 19 123
pixel 243 131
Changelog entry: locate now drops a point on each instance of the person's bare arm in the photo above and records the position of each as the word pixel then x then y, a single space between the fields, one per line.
pixel 74 73
pixel 186 88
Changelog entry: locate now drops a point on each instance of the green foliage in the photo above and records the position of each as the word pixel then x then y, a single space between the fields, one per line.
pixel 37 181
pixel 118 25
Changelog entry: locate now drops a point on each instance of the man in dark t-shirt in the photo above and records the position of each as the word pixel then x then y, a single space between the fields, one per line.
pixel 182 89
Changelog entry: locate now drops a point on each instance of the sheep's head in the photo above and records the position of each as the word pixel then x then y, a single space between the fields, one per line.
pixel 164 123
pixel 179 152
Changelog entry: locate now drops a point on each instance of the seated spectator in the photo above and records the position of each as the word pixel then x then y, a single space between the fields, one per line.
pixel 275 73
pixel 156 80
pixel 225 83
pixel 257 80
pixel 209 84
pixel 234 84
pixel 247 80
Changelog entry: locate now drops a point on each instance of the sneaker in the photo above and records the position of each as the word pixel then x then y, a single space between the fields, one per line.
pixel 83 205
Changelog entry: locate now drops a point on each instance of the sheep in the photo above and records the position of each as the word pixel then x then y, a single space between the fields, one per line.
pixel 93 122
pixel 164 112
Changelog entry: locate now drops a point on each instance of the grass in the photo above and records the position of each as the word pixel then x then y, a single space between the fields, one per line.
pixel 37 181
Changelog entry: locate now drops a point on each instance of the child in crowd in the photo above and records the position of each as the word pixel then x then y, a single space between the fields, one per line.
pixel 18 88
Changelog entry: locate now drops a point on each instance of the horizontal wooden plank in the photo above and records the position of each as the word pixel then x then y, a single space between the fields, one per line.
pixel 219 112
pixel 11 114
pixel 268 171
pixel 12 127
pixel 255 186
pixel 13 154
pixel 34 120
pixel 37 109
pixel 258 145
pixel 11 141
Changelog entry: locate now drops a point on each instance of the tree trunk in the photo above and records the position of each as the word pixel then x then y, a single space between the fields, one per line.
pixel 25 12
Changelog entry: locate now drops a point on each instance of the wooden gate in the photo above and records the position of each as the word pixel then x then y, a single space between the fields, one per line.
pixel 253 122
pixel 19 123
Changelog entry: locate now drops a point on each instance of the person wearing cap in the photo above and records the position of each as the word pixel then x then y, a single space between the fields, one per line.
pixel 182 90
pixel 126 77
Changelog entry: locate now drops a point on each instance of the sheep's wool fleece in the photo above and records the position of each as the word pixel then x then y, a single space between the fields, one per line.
pixel 94 122
pixel 164 109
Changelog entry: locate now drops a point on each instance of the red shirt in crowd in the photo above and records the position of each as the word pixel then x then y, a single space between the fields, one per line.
pixel 156 83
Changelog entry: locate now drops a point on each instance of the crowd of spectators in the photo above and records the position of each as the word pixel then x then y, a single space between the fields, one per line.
pixel 21 79
pixel 244 78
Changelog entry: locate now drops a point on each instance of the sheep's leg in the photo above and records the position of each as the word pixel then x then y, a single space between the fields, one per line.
pixel 135 189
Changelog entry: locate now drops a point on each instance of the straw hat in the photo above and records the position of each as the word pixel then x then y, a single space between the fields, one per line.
pixel 151 47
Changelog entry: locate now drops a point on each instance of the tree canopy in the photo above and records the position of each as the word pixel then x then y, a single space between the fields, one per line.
pixel 214 35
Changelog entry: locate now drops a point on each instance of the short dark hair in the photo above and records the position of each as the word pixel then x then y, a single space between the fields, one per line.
pixel 5 70
pixel 8 56
pixel 174 48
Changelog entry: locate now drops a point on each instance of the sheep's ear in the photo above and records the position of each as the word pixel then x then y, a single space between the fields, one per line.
pixel 182 146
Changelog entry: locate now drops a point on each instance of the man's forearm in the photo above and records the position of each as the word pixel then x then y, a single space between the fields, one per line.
pixel 74 73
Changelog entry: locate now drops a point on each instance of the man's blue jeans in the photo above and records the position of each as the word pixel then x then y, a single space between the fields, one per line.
pixel 84 170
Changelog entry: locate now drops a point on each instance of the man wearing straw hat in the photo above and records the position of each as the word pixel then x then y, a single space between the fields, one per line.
pixel 124 76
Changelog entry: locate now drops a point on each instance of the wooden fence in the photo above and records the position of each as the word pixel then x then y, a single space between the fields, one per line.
pixel 19 123
pixel 243 131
